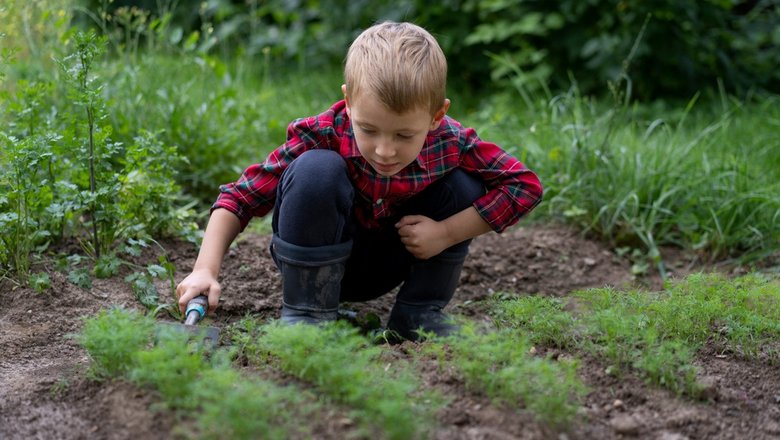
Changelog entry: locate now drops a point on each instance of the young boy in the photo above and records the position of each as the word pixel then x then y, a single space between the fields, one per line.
pixel 382 189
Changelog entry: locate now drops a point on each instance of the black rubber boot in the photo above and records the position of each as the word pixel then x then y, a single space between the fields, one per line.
pixel 426 291
pixel 311 280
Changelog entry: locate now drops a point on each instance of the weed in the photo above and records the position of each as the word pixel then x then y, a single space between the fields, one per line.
pixel 655 176
pixel 59 387
pixel 40 282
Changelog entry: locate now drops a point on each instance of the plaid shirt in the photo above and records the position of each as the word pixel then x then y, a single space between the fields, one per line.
pixel 512 189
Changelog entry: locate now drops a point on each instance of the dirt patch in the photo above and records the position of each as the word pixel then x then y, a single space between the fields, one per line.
pixel 44 392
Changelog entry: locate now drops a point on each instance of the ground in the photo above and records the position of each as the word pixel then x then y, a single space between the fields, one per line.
pixel 44 393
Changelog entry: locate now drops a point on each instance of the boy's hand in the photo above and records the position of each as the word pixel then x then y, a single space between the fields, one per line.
pixel 423 236
pixel 196 283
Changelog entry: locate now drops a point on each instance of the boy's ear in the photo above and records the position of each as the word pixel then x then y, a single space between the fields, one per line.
pixel 346 100
pixel 439 115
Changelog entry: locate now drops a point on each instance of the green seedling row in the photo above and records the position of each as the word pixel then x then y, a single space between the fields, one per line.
pixel 213 398
pixel 656 335
pixel 501 365
pixel 384 394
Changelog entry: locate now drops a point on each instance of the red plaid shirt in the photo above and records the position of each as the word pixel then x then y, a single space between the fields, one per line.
pixel 512 189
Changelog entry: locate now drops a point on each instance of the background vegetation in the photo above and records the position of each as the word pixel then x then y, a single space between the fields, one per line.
pixel 650 124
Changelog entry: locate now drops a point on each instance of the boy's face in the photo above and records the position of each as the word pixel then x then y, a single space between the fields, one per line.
pixel 389 141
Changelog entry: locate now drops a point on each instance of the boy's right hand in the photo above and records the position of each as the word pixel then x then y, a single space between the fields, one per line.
pixel 197 283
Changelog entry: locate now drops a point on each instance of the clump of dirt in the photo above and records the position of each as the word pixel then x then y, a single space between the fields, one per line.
pixel 44 392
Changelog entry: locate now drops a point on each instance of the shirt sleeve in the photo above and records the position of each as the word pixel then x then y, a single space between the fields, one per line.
pixel 254 194
pixel 512 189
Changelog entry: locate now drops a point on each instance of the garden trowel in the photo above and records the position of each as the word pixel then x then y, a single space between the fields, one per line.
pixel 195 311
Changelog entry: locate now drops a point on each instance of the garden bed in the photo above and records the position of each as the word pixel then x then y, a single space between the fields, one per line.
pixel 46 393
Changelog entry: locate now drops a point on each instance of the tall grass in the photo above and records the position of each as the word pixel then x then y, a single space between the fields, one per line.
pixel 703 176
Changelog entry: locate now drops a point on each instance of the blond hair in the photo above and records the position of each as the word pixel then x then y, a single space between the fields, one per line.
pixel 401 64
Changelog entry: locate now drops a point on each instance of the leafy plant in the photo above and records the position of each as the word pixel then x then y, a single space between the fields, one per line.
pixel 98 198
pixel 145 290
pixel 656 335
pixel 542 319
pixel 24 195
pixel 256 408
pixel 150 201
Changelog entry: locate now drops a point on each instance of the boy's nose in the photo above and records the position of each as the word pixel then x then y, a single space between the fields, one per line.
pixel 384 149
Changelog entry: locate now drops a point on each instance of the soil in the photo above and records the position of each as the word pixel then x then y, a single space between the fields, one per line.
pixel 45 394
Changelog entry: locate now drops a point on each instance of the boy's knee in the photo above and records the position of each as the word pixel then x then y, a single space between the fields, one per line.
pixel 318 161
pixel 464 188
pixel 318 172
pixel 448 196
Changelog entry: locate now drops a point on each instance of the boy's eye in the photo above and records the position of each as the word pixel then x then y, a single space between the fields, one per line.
pixel 367 130
pixel 405 136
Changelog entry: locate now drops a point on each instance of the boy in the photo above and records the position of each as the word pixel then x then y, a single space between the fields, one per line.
pixel 382 189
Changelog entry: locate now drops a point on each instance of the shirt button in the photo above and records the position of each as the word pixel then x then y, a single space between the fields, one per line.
pixel 379 202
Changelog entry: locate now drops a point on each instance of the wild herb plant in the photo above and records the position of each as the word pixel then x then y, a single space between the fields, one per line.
pixel 150 201
pixel 145 290
pixel 94 147
pixel 346 367
pixel 24 196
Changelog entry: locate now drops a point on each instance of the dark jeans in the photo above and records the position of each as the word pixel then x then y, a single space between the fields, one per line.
pixel 314 208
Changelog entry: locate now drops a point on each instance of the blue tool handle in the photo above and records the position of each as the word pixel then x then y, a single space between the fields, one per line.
pixel 196 309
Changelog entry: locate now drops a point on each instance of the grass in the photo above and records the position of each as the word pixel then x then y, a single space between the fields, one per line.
pixel 702 176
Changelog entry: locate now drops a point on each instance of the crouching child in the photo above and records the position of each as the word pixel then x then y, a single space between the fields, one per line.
pixel 380 190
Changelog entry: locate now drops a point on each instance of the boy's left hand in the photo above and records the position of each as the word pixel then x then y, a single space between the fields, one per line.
pixel 423 236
